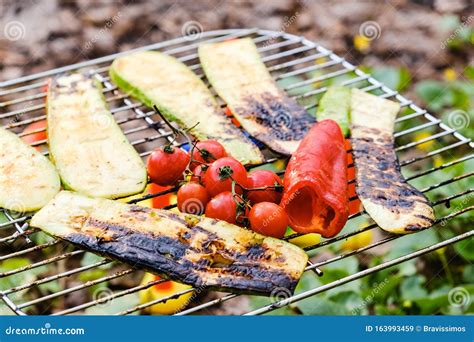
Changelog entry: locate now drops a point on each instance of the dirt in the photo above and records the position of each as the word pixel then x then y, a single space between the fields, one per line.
pixel 39 35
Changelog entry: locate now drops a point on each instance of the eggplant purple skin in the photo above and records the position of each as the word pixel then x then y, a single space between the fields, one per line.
pixel 163 255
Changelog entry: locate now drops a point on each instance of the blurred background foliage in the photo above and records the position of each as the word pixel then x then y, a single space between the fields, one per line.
pixel 420 286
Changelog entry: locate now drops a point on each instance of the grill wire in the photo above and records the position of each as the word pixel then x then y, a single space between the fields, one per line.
pixel 304 69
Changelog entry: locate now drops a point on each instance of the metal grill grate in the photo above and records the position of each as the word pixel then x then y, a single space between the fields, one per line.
pixel 304 69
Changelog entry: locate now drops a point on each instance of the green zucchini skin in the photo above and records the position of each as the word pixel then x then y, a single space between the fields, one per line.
pixel 191 249
pixel 89 149
pixel 235 70
pixel 158 79
pixel 28 180
pixel 336 105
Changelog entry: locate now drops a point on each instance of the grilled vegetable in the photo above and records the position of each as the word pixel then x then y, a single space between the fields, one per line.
pixel 238 75
pixel 269 219
pixel 315 193
pixel 393 204
pixel 264 186
pixel 222 173
pixel 192 198
pixel 162 290
pixel 227 207
pixel 190 249
pixel 207 151
pixel 336 105
pixel 158 79
pixel 90 151
pixel 166 165
pixel 28 180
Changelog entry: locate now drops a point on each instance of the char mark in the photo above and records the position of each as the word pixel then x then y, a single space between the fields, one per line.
pixel 282 117
pixel 211 264
pixel 378 172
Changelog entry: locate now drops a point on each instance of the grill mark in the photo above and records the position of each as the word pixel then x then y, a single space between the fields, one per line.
pixel 378 176
pixel 279 117
pixel 166 255
pixel 426 218
pixel 67 89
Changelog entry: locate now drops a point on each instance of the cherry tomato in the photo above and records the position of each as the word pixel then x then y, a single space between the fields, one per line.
pixel 219 176
pixel 199 172
pixel 166 165
pixel 34 137
pixel 160 201
pixel 228 112
pixel 264 178
pixel 207 151
pixel 192 198
pixel 224 207
pixel 268 219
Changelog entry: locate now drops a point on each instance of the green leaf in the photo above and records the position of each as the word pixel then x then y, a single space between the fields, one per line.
pixel 287 81
pixel 469 72
pixel 352 301
pixel 435 94
pixel 91 258
pixel 465 248
pixel 308 281
pixel 410 243
pixel 381 290
pixel 321 306
pixel 256 302
pixel 115 306
pixel 412 288
pixel 93 274
pixel 18 278
pixel 394 78
pixel 3 218
pixel 468 274
pixel 382 309
pixel 348 265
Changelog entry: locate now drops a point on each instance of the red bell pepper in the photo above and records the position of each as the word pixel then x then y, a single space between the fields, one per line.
pixel 315 194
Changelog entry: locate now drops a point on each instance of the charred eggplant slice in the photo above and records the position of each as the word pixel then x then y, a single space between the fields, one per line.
pixel 190 249
pixel 393 204
pixel 240 78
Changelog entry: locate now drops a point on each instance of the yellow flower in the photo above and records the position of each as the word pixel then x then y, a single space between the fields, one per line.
pixel 279 165
pixel 306 240
pixel 426 146
pixel 320 60
pixel 163 290
pixel 438 161
pixel 361 43
pixel 450 74
pixel 358 241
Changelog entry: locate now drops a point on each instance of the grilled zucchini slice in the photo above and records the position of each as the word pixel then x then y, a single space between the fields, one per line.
pixel 158 79
pixel 90 151
pixel 28 180
pixel 190 249
pixel 393 204
pixel 336 105
pixel 240 78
